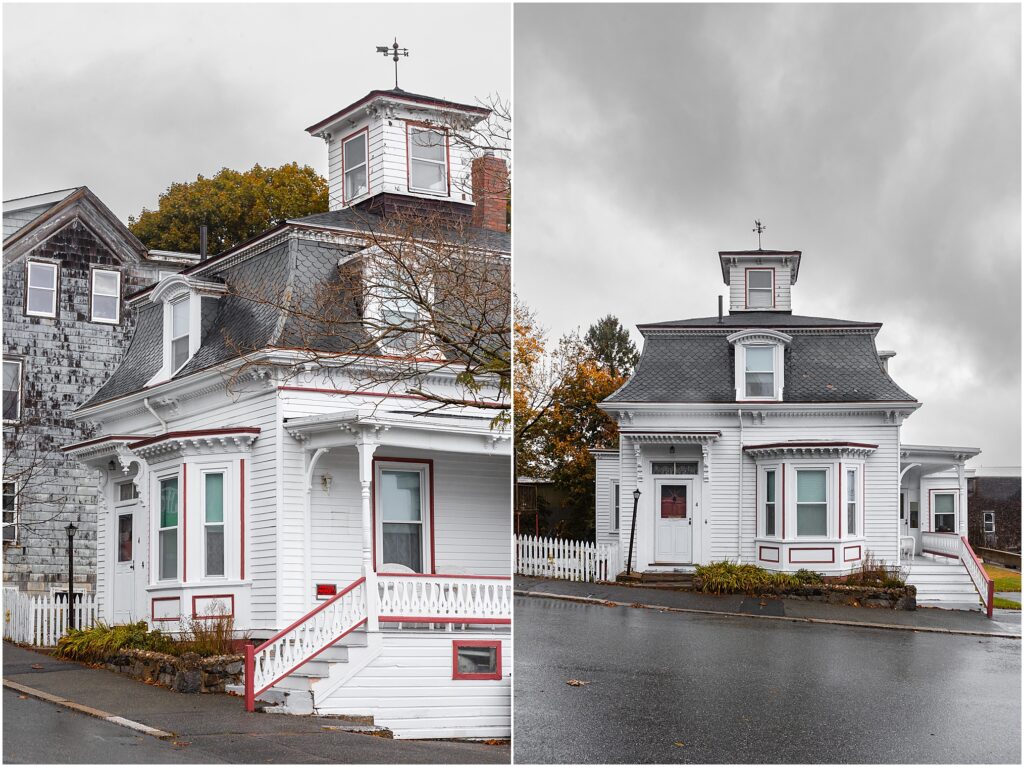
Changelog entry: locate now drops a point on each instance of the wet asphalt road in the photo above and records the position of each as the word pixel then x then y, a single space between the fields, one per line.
pixel 669 687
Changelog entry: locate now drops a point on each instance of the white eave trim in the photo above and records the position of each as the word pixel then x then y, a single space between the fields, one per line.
pixel 759 335
pixel 810 449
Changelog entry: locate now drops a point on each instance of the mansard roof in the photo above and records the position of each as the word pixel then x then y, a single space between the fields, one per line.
pixel 828 360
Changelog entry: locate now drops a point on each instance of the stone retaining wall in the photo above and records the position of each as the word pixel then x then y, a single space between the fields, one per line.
pixel 904 598
pixel 188 673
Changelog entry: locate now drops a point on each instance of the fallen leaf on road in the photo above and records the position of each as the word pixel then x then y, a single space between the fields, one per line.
pixel 638 604
pixel 607 603
pixel 180 743
pixel 576 682
pixel 23 697
pixel 679 743
pixel 37 666
pixel 763 603
pixel 496 742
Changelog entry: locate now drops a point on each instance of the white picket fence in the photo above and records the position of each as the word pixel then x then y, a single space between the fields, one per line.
pixel 567 560
pixel 42 620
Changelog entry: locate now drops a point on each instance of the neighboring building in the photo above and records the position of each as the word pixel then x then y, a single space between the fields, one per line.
pixel 370 530
pixel 542 508
pixel 68 261
pixel 767 437
pixel 993 511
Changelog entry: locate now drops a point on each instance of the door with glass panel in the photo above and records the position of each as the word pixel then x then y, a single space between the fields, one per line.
pixel 402 511
pixel 673 521
pixel 129 565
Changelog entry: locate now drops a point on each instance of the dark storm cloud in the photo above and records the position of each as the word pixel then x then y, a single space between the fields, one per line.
pixel 883 141
pixel 127 99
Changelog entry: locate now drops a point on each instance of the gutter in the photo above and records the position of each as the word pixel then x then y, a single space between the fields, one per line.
pixel 163 423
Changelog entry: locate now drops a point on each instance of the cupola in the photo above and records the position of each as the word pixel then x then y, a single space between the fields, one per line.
pixel 395 143
pixel 760 280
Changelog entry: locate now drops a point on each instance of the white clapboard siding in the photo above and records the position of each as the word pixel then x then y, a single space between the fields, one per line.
pixel 567 560
pixel 737 285
pixel 606 474
pixel 409 689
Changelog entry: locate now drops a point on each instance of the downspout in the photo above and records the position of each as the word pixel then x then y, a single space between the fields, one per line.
pixel 163 423
pixel 739 502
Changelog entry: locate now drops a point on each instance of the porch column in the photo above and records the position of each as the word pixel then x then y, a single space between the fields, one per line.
pixel 366 447
pixel 961 508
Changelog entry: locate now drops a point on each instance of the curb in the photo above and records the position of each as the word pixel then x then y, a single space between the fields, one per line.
pixel 83 709
pixel 790 618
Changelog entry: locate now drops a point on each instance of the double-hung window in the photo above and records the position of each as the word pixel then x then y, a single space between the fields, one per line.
pixel 851 501
pixel 402 534
pixel 770 502
pixel 428 160
pixel 10 512
pixel 168 532
pixel 12 390
pixel 106 296
pixel 945 512
pixel 179 334
pixel 760 288
pixel 811 502
pixel 990 521
pixel 213 522
pixel 615 506
pixel 41 289
pixel 356 166
pixel 760 371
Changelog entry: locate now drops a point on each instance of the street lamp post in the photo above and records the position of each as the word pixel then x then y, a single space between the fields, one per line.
pixel 632 532
pixel 71 530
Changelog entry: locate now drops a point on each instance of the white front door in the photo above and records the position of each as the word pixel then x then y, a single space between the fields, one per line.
pixel 127 550
pixel 673 521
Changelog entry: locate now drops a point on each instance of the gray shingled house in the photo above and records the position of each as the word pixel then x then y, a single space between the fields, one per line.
pixel 68 261
pixel 767 437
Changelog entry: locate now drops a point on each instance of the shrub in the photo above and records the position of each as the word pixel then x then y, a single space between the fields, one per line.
pixel 103 641
pixel 208 637
pixel 731 578
pixel 875 572
pixel 806 577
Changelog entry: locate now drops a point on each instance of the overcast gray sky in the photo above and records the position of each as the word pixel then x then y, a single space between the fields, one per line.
pixel 882 141
pixel 126 99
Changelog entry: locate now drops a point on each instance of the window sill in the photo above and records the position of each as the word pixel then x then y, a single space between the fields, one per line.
pixel 431 193
pixel 206 584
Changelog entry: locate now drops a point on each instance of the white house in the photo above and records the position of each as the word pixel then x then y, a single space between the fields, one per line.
pixel 766 437
pixel 360 536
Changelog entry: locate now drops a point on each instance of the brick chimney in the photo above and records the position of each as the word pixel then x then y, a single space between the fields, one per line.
pixel 490 193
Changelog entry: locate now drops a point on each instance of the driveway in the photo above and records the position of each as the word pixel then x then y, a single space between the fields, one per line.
pixel 675 687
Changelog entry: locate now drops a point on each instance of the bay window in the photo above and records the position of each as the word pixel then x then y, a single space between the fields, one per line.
pixel 852 494
pixel 944 517
pixel 428 160
pixel 770 502
pixel 811 502
pixel 41 289
pixel 213 522
pixel 356 165
pixel 167 537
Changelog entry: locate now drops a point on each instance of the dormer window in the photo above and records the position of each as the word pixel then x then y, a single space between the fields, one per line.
pixel 760 288
pixel 356 165
pixel 428 160
pixel 179 333
pixel 760 359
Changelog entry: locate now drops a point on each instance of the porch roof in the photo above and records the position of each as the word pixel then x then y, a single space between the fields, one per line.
pixel 470 430
pixel 930 459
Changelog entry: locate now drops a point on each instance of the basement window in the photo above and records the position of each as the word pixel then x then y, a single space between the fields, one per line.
pixel 476 660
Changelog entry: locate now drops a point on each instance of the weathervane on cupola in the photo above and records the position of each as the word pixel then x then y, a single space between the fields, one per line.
pixel 394 52
pixel 759 228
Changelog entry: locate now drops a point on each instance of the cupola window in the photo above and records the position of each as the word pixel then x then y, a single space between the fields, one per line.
pixel 428 160
pixel 760 288
pixel 356 166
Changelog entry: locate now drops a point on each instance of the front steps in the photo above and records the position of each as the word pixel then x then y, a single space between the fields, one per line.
pixel 946 585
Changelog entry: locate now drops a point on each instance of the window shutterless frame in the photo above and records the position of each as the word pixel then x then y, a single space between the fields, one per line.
pixel 42 279
pixel 480 659
pixel 355 165
pixel 810 501
pixel 168 514
pixel 425 161
pixel 213 487
pixel 616 522
pixel 396 514
pixel 181 320
pixel 12 391
pixel 10 512
pixel 989 521
pixel 759 288
pixel 770 483
pixel 105 296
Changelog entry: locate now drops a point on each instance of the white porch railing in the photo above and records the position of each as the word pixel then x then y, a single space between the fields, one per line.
pixel 957 547
pixel 406 597
pixel 567 560
pixel 43 619
pixel 302 641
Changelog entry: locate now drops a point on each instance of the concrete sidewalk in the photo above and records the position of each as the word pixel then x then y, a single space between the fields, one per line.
pixel 1003 622
pixel 219 726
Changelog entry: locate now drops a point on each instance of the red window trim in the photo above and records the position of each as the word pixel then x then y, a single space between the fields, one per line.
pixel 447 157
pixel 152 608
pixel 196 597
pixel 459 643
pixel 241 519
pixel 373 502
pixel 746 285
pixel 366 130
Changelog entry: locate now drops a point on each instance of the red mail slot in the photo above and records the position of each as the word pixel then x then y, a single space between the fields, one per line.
pixel 326 589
